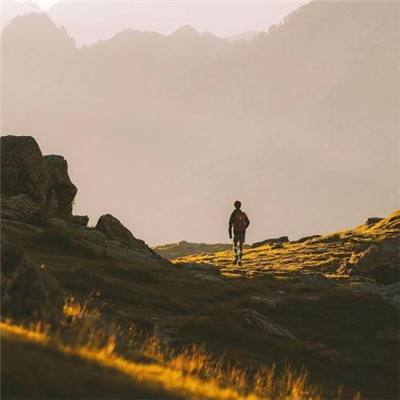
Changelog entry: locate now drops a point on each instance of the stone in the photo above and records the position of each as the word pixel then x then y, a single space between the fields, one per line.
pixel 380 261
pixel 373 220
pixel 280 240
pixel 238 325
pixel 23 170
pixel 113 229
pixel 18 208
pixel 61 191
pixel 257 321
pixel 307 238
pixel 27 290
pixel 80 220
pixel 56 223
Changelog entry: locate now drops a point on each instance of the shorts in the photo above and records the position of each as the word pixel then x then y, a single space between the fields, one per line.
pixel 239 237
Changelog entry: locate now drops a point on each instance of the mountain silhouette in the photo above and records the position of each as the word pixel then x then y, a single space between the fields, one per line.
pixel 300 123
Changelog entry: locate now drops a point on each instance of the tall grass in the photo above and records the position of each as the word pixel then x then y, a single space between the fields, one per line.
pixel 192 372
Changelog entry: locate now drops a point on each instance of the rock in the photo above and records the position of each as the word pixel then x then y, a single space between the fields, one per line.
pixel 333 238
pixel 237 325
pixel 373 220
pixel 56 223
pixel 80 220
pixel 380 261
pixel 27 290
pixel 280 240
pixel 23 170
pixel 61 191
pixel 114 229
pixel 18 208
pixel 257 321
pixel 307 238
pixel 389 293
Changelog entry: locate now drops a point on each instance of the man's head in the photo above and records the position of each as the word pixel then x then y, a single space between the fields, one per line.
pixel 237 204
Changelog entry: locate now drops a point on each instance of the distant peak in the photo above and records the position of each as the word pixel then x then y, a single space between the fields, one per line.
pixel 186 31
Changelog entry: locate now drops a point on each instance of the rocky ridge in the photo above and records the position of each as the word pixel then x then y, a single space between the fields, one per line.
pixel 37 198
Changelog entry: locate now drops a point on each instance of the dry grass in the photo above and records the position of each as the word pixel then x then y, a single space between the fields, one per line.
pixel 191 372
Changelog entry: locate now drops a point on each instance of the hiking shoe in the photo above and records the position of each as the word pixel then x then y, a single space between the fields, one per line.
pixel 240 263
pixel 235 261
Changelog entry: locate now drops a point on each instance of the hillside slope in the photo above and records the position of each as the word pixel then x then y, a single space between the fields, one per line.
pixel 183 248
pixel 103 295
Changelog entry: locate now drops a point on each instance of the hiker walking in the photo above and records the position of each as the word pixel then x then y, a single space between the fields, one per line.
pixel 239 222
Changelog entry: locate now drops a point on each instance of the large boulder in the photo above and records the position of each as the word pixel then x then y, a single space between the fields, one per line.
pixel 18 208
pixel 23 170
pixel 114 230
pixel 27 290
pixel 380 261
pixel 61 191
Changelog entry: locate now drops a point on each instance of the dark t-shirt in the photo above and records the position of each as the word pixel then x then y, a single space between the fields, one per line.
pixel 233 222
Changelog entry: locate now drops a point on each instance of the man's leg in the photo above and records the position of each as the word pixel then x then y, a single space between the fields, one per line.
pixel 235 249
pixel 240 252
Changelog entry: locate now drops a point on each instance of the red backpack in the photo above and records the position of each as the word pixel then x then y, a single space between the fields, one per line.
pixel 240 224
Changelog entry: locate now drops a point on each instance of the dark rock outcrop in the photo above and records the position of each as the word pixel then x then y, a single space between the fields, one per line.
pixel 37 192
pixel 23 169
pixel 27 290
pixel 61 191
pixel 306 238
pixel 79 220
pixel 114 230
pixel 45 180
pixel 19 208
pixel 282 239
pixel 380 261
pixel 373 220
pixel 238 325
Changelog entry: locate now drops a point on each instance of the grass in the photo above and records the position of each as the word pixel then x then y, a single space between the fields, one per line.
pixel 190 373
pixel 127 324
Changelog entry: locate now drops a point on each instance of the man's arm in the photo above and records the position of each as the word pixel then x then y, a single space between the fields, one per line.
pixel 230 226
pixel 247 221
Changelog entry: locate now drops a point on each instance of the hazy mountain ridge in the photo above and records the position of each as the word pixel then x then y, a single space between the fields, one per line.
pixel 317 94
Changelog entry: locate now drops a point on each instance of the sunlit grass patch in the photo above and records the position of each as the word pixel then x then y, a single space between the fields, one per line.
pixel 190 372
pixel 35 332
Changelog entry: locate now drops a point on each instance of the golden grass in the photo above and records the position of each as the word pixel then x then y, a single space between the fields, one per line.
pixel 191 373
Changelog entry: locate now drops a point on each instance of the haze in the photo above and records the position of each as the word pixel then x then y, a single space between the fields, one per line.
pixel 166 131
pixel 90 20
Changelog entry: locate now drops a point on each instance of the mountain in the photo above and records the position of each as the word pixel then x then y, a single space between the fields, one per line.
pixel 243 36
pixel 301 124
pixel 10 9
pixel 100 314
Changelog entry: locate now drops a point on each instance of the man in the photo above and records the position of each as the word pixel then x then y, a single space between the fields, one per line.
pixel 239 222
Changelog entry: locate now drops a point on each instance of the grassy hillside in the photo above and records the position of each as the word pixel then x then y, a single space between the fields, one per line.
pixel 202 328
pixel 183 248
pixel 321 254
